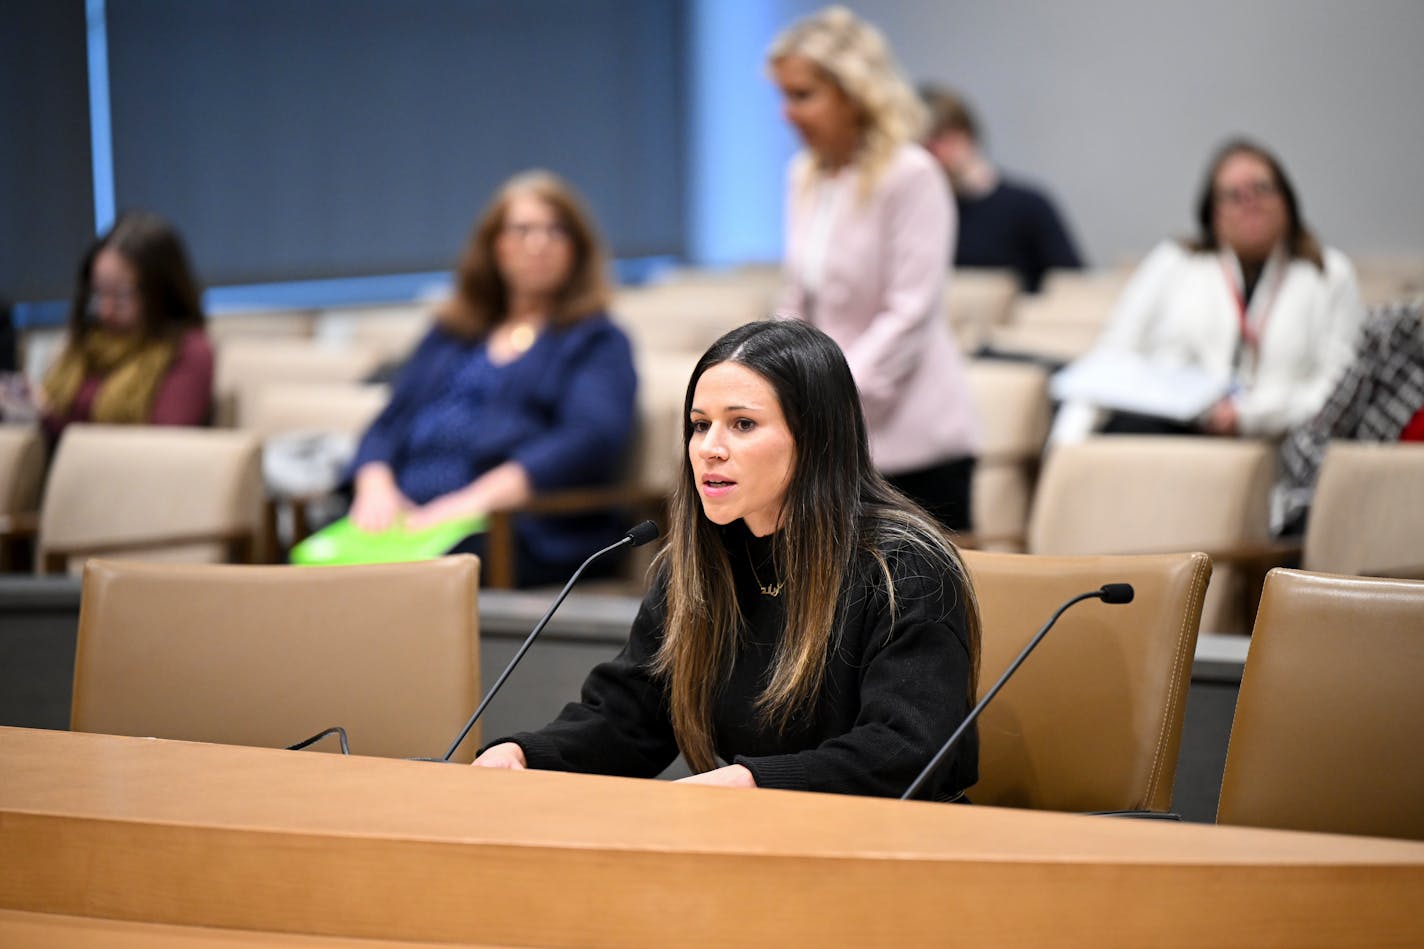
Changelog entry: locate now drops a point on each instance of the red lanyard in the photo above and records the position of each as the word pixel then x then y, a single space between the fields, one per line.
pixel 1251 335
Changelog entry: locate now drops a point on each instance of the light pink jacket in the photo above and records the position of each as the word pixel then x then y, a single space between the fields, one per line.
pixel 881 299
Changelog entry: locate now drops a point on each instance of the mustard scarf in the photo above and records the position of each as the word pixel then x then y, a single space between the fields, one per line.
pixel 131 368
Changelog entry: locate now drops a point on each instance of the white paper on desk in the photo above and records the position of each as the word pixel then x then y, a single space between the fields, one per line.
pixel 1129 383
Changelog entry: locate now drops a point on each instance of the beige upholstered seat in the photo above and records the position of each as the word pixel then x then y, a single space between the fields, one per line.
pixel 241 363
pixel 272 408
pixel 1328 722
pixel 1368 514
pixel 688 316
pixel 157 493
pixel 1092 721
pixel 391 330
pixel 977 300
pixel 1012 399
pixel 1121 494
pixel 270 656
pixel 261 325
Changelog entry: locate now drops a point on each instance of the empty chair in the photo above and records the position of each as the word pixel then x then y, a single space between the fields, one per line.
pixel 392 330
pixel 269 656
pixel 1366 517
pixel 1012 399
pixel 273 408
pixel 242 363
pixel 976 300
pixel 1093 719
pixel 687 315
pixel 152 492
pixel 259 325
pixel 1326 733
pixel 1122 494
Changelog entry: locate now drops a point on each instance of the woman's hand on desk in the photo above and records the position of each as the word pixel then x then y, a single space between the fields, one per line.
pixel 506 755
pixel 732 776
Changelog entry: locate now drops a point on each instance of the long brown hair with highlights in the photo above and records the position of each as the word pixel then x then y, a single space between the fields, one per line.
pixel 481 299
pixel 837 509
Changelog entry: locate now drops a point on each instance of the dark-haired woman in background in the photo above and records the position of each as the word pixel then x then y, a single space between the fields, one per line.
pixel 808 627
pixel 1254 301
pixel 137 352
pixel 523 385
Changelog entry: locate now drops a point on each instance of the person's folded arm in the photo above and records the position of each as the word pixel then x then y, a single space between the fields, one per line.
pixel 588 442
pixel 621 724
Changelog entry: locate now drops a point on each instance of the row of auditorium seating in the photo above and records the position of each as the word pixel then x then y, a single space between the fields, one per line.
pixel 145 489
pixel 1093 722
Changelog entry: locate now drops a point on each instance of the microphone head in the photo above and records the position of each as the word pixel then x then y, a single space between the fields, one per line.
pixel 642 533
pixel 1116 592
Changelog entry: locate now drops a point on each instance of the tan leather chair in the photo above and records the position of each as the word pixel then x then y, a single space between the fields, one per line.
pixel 1326 734
pixel 392 330
pixel 271 655
pixel 1012 399
pixel 260 325
pixel 1120 494
pixel 1366 518
pixel 152 492
pixel 1092 721
pixel 688 315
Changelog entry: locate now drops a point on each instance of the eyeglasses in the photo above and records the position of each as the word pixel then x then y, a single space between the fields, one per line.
pixel 121 296
pixel 524 231
pixel 1242 194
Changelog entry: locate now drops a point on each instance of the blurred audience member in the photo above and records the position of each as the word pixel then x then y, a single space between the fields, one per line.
pixel 136 352
pixel 1380 398
pixel 869 226
pixel 522 386
pixel 1255 305
pixel 1002 223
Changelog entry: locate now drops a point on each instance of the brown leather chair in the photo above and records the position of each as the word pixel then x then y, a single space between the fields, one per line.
pixel 1326 734
pixel 151 492
pixel 270 655
pixel 1092 721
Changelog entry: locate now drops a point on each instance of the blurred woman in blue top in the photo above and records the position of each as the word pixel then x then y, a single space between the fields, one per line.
pixel 523 386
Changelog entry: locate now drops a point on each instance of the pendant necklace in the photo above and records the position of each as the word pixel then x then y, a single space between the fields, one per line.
pixel 766 589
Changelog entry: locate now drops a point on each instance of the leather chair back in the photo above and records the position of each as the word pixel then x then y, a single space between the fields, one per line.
pixel 1092 721
pixel 272 655
pixel 1328 722
pixel 22 464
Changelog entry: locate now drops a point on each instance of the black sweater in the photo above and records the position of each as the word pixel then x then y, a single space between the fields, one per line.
pixel 895 689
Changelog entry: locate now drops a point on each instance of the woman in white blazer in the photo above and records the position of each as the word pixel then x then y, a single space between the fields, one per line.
pixel 869 226
pixel 1253 302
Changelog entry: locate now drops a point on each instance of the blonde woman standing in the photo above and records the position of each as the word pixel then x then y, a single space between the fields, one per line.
pixel 869 227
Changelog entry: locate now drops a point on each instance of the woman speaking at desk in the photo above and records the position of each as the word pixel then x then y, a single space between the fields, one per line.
pixel 807 627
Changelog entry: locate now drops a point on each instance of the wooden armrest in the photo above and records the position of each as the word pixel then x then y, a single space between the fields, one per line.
pixel 1415 572
pixel 1258 557
pixel 499 560
pixel 19 525
pixel 240 542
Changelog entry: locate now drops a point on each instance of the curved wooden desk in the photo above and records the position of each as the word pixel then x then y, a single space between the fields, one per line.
pixel 275 842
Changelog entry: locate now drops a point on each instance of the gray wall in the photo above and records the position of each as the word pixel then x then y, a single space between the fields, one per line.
pixel 1116 104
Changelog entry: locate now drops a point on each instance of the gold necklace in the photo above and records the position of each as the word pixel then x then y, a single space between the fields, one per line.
pixel 765 589
pixel 521 337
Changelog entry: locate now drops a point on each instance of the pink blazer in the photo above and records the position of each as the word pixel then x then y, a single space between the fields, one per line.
pixel 882 299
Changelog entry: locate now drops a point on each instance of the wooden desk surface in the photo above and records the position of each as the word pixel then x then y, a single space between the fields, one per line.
pixel 185 834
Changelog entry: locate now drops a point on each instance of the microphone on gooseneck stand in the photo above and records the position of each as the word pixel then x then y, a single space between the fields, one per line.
pixel 1108 593
pixel 637 537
